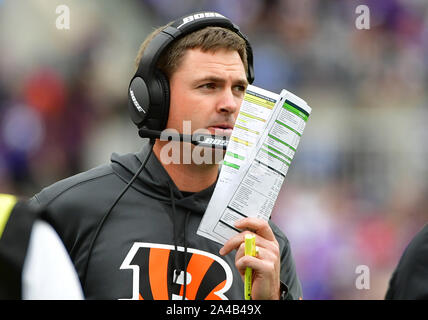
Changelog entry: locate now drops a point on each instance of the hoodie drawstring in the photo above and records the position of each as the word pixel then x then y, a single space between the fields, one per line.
pixel 174 222
pixel 186 220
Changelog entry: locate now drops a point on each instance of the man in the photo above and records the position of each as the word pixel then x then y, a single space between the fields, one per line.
pixel 410 278
pixel 33 261
pixel 148 247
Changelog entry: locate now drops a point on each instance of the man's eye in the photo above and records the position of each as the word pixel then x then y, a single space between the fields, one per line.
pixel 208 86
pixel 240 90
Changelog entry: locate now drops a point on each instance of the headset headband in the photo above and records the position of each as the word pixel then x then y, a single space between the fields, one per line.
pixel 182 27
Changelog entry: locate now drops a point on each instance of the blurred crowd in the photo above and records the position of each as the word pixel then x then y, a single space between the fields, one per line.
pixel 357 189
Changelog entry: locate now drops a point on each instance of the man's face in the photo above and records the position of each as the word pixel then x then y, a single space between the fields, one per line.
pixel 207 89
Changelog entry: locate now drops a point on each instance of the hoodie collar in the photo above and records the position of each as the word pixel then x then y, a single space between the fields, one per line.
pixel 154 180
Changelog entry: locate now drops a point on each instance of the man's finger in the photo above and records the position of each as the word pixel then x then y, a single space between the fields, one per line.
pixel 236 241
pixel 258 226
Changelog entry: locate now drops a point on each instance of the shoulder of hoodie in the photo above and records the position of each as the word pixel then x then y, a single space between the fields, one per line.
pixel 289 273
pixel 73 188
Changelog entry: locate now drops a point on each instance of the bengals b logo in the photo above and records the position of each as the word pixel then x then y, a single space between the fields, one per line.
pixel 208 276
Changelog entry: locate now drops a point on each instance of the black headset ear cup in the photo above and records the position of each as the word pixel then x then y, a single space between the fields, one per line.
pixel 165 99
pixel 138 100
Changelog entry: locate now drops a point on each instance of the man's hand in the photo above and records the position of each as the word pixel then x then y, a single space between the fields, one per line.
pixel 266 265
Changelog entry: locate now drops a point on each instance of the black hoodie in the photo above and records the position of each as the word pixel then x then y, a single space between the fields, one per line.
pixel 150 233
pixel 409 280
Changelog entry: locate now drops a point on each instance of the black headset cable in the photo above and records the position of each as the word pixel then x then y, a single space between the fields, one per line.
pixel 103 220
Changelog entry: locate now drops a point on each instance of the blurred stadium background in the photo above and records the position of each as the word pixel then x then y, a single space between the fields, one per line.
pixel 356 192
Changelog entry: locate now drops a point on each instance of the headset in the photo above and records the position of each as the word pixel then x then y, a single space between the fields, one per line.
pixel 149 93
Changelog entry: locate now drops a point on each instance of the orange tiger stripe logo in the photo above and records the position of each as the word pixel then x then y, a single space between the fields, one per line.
pixel 209 277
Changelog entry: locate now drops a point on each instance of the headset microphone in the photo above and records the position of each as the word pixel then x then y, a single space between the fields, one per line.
pixel 198 139
pixel 149 91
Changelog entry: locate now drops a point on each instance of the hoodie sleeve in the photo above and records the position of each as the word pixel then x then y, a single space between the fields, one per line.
pixel 288 273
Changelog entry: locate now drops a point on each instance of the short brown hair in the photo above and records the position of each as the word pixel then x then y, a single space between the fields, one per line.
pixel 206 39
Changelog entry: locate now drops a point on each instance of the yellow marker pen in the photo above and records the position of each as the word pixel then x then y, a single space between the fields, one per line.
pixel 250 250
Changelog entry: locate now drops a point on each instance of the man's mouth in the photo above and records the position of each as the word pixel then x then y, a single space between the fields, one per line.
pixel 221 130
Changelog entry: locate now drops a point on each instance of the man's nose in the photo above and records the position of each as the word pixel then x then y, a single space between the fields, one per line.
pixel 229 103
